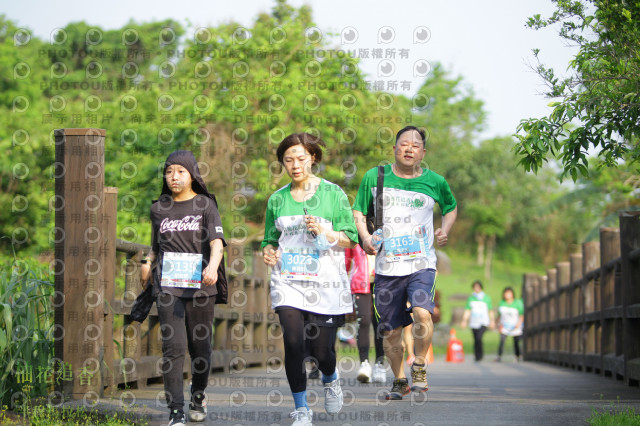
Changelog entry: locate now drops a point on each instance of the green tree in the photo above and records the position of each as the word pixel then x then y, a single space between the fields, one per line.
pixel 601 94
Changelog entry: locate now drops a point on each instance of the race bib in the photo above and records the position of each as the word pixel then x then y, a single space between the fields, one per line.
pixel 181 270
pixel 300 263
pixel 406 247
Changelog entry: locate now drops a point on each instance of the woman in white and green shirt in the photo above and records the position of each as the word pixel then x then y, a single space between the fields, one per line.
pixel 510 318
pixel 307 226
pixel 479 315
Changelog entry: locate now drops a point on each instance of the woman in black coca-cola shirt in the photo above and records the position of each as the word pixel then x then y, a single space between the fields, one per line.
pixel 186 252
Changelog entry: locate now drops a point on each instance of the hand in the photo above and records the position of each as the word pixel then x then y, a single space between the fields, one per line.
pixel 145 274
pixel 368 247
pixel 271 256
pixel 313 226
pixel 210 275
pixel 441 237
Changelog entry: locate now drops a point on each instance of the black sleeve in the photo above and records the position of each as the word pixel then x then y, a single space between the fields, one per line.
pixel 155 246
pixel 213 223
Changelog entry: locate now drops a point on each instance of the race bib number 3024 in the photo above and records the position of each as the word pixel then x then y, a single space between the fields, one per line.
pixel 181 270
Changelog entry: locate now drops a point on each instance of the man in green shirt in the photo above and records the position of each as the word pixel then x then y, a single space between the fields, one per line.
pixel 406 260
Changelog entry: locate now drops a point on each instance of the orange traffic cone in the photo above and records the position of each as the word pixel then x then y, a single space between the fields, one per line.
pixel 455 352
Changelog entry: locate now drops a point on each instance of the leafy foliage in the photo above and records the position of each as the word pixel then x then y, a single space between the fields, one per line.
pixel 601 94
pixel 26 325
pixel 230 94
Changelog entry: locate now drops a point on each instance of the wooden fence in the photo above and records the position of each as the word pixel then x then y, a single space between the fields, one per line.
pixel 97 347
pixel 585 313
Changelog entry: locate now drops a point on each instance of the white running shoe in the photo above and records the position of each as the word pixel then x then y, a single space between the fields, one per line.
pixel 379 373
pixel 302 417
pixel 333 397
pixel 364 374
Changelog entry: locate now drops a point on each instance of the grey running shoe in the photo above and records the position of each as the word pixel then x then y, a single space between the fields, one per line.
pixel 302 417
pixel 379 373
pixel 364 373
pixel 419 379
pixel 333 397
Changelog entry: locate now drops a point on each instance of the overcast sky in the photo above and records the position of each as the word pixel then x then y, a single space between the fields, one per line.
pixel 487 42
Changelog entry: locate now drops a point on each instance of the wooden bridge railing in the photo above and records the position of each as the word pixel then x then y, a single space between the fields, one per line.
pixel 244 332
pixel 585 313
pixel 97 346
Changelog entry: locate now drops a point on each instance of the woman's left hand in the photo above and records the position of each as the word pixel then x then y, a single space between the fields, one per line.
pixel 210 276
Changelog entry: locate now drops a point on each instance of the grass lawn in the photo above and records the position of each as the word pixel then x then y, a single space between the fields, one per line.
pixel 464 271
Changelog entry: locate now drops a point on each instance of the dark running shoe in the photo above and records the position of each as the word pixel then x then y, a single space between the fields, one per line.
pixel 399 389
pixel 177 418
pixel 198 408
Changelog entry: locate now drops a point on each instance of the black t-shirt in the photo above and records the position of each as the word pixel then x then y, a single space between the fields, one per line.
pixel 184 227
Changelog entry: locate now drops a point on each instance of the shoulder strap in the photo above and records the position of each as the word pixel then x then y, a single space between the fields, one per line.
pixel 379 199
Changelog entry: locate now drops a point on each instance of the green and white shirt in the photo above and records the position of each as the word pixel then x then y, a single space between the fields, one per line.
pixel 509 317
pixel 479 307
pixel 407 218
pixel 306 278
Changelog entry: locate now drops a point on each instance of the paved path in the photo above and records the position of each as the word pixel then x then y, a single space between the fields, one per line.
pixel 506 393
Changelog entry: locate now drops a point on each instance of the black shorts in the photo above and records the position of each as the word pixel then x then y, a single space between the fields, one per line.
pixel 318 319
pixel 392 293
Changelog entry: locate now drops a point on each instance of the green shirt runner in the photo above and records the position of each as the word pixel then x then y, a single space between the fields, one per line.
pixel 306 278
pixel 407 218
pixel 479 308
pixel 509 317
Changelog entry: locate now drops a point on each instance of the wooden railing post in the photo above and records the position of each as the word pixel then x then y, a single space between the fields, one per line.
pixel 529 320
pixel 575 311
pixel 591 262
pixel 630 283
pixel 552 276
pixel 79 305
pixel 609 250
pixel 132 350
pixel 109 223
pixel 563 269
pixel 544 312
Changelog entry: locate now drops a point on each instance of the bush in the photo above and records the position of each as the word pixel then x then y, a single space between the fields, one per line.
pixel 26 326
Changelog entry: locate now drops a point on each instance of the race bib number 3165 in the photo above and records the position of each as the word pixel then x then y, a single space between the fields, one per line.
pixel 405 247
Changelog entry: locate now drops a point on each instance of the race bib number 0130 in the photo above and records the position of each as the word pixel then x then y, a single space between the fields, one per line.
pixel 301 264
pixel 181 270
pixel 406 247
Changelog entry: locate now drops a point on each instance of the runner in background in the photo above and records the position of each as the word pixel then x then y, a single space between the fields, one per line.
pixel 478 314
pixel 361 272
pixel 510 319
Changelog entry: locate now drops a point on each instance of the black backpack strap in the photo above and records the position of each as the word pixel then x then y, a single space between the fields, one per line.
pixel 379 200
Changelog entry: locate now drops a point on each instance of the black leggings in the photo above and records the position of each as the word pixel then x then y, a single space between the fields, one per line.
pixel 477 342
pixel 364 312
pixel 516 344
pixel 322 347
pixel 185 323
